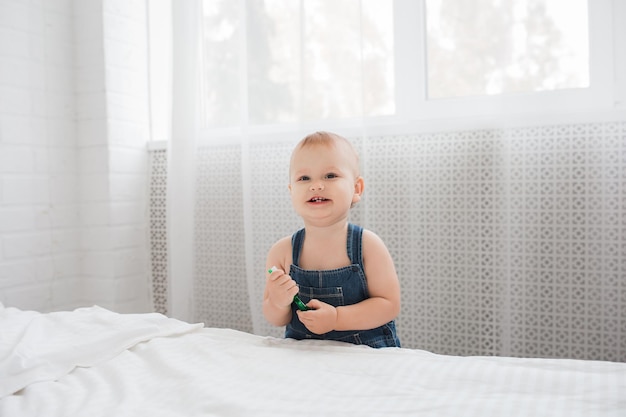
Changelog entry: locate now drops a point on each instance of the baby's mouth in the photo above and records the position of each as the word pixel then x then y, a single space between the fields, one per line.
pixel 317 200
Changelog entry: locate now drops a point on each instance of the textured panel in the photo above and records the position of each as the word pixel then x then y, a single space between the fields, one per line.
pixel 567 287
pixel 434 201
pixel 220 284
pixel 506 241
pixel 158 229
pixel 272 214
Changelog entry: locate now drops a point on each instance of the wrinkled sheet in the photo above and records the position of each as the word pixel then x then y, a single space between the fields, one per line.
pixel 222 372
pixel 39 347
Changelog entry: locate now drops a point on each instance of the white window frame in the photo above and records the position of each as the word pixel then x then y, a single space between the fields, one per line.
pixel 604 99
pixel 413 105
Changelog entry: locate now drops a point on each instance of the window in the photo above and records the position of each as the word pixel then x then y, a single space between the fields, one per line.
pixel 513 46
pixel 160 76
pixel 283 61
pixel 264 64
pixel 533 63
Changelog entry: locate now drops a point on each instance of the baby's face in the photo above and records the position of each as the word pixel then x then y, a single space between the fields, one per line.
pixel 324 182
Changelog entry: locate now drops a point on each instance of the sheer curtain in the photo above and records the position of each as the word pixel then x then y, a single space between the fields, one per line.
pixel 508 239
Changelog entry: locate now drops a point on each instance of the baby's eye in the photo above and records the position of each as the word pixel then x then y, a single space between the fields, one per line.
pixel 331 175
pixel 303 178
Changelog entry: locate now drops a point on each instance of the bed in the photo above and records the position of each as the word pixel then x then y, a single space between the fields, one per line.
pixel 95 362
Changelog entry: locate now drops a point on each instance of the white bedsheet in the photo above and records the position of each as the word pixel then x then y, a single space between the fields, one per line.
pixel 221 372
pixel 38 347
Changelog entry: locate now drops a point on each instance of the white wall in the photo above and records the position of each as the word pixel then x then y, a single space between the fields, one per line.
pixel 73 132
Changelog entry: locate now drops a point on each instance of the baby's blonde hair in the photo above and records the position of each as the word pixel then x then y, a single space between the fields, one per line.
pixel 329 139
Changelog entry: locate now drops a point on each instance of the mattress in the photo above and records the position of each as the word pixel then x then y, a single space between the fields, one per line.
pixel 95 362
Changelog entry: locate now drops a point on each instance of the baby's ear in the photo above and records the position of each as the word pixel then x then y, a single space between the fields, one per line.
pixel 359 186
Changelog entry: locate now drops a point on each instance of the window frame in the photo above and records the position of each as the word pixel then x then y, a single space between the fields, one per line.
pixel 602 100
pixel 413 103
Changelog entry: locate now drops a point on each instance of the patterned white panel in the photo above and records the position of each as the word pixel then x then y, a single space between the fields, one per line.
pixel 271 212
pixel 567 275
pixel 433 199
pixel 506 241
pixel 158 229
pixel 220 284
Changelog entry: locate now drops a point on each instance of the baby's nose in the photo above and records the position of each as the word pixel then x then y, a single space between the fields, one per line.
pixel 317 186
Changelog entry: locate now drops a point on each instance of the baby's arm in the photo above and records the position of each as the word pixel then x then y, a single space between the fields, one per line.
pixel 382 306
pixel 279 287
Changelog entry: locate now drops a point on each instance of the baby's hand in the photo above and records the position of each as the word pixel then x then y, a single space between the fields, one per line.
pixel 320 319
pixel 280 287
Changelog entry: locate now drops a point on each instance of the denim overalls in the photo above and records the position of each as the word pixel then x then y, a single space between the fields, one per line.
pixel 337 287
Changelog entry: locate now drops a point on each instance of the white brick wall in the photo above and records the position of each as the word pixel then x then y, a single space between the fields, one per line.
pixel 73 132
pixel 127 104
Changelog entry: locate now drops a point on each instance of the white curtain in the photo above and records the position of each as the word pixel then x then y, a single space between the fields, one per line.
pixel 507 240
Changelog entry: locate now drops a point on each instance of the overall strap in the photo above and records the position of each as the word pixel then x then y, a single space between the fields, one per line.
pixel 296 246
pixel 354 244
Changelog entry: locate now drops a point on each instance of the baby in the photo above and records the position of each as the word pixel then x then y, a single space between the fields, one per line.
pixel 342 272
